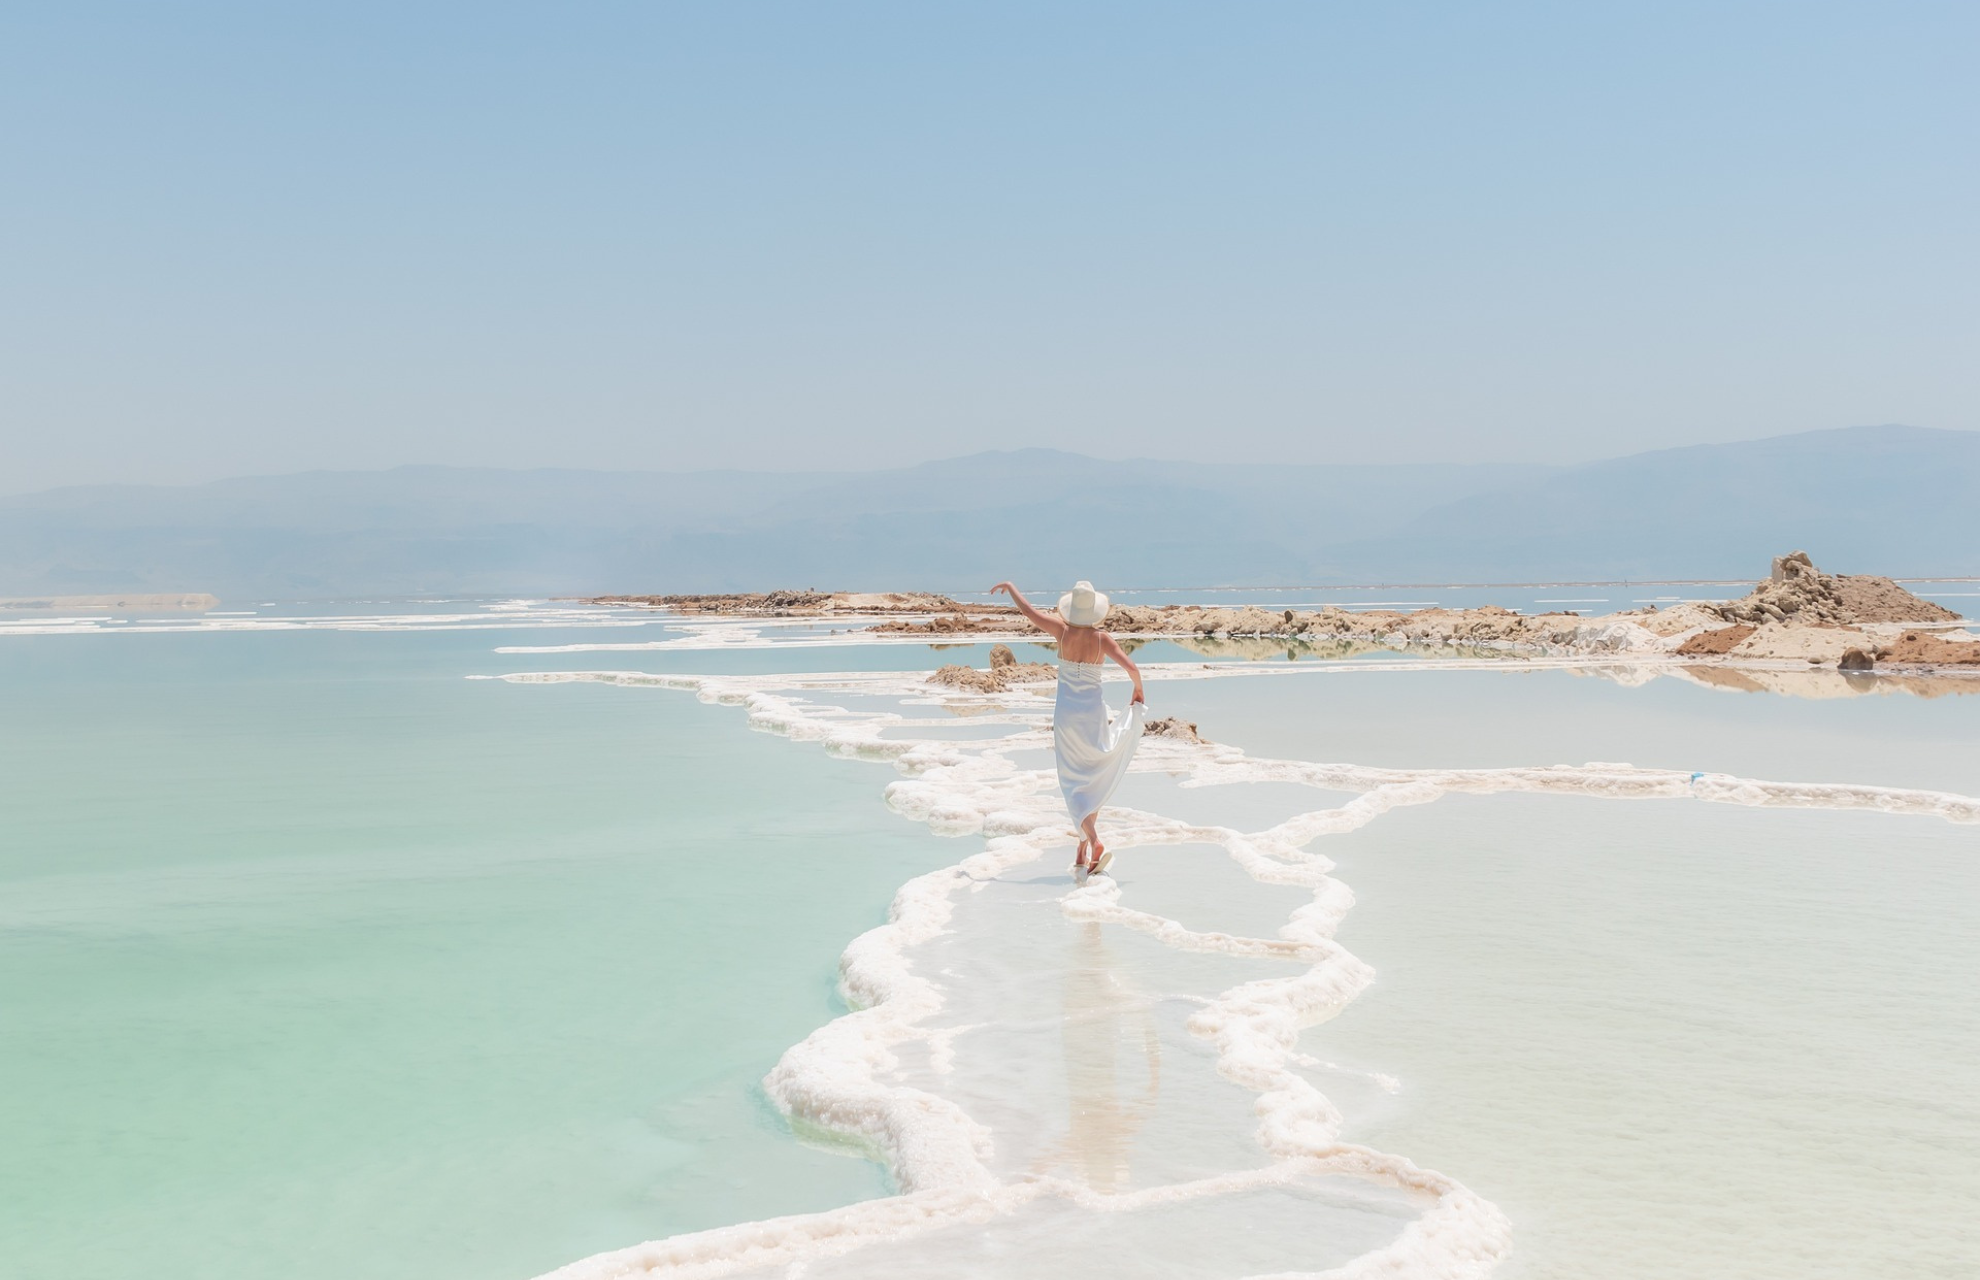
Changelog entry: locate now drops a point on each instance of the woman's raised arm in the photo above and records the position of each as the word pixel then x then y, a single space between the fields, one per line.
pixel 1050 625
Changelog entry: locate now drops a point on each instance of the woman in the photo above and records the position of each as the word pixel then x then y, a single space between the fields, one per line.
pixel 1093 755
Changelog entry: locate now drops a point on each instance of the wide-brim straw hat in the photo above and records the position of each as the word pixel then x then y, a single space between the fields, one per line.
pixel 1083 606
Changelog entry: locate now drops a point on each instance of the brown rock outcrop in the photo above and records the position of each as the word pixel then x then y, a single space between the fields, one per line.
pixel 1800 613
pixel 959 623
pixel 769 602
pixel 1005 671
pixel 1800 592
pixel 960 677
pixel 788 603
pixel 1869 598
pixel 1173 727
pixel 1712 643
pixel 1918 648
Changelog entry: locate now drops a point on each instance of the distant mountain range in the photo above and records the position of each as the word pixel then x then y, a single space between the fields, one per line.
pixel 1895 500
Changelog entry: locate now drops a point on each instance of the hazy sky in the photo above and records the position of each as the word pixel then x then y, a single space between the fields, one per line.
pixel 249 238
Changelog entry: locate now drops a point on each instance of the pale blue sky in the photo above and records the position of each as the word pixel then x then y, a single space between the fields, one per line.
pixel 254 238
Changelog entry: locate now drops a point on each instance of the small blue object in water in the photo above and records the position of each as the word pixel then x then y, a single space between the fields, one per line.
pixel 1696 776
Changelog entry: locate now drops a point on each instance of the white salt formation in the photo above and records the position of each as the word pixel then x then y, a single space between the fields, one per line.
pixel 1107 1079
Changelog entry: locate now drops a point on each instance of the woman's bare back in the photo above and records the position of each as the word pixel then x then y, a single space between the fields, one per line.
pixel 1081 644
pixel 1076 644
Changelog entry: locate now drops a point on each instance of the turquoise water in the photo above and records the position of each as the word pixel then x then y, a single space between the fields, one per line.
pixel 318 958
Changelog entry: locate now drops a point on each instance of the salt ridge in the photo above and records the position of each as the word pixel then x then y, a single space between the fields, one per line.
pixel 830 1083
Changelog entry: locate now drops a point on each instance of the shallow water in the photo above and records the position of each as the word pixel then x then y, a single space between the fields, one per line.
pixel 1493 716
pixel 315 951
pixel 1678 1039
pixel 403 973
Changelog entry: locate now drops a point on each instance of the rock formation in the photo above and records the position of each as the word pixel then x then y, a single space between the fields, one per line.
pixel 1173 727
pixel 1722 640
pixel 1800 614
pixel 1917 648
pixel 793 603
pixel 1799 591
pixel 1005 671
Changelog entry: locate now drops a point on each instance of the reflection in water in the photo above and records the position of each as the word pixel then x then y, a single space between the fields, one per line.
pixel 1817 682
pixel 967 709
pixel 1825 682
pixel 1102 1015
pixel 1810 682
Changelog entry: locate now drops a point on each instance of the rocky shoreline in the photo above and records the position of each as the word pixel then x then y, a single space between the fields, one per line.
pixel 790 604
pixel 1798 616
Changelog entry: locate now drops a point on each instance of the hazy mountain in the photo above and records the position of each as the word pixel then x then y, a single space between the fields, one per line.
pixel 1890 499
pixel 1032 513
pixel 1898 500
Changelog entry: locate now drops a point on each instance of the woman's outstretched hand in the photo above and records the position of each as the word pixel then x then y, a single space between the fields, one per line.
pixel 1006 588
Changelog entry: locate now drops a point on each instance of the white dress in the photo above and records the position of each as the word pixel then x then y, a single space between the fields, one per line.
pixel 1093 754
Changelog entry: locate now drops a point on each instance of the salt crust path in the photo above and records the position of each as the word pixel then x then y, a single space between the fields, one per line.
pixel 830 1084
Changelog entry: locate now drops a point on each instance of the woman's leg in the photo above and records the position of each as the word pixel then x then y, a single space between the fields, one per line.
pixel 1098 858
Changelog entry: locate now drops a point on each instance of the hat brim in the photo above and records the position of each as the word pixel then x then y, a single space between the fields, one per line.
pixel 1084 618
